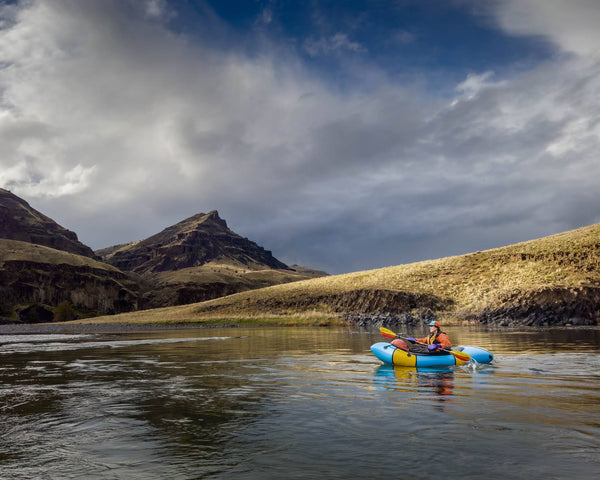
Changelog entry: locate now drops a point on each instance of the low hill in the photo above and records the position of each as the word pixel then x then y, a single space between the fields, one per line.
pixel 199 259
pixel 19 221
pixel 554 280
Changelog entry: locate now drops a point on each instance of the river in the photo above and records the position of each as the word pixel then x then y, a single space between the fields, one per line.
pixel 310 403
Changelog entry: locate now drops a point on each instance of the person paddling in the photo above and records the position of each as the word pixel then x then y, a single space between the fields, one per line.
pixel 433 342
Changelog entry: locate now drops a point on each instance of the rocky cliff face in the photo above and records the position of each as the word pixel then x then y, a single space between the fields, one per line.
pixel 35 279
pixel 193 242
pixel 546 307
pixel 19 221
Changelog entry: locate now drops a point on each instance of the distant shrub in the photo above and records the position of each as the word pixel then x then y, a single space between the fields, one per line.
pixel 64 312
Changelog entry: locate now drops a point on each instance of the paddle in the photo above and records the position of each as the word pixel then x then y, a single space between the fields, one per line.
pixel 465 357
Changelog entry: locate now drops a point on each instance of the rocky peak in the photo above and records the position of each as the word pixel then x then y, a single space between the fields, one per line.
pixel 201 221
pixel 193 242
pixel 19 221
pixel 214 218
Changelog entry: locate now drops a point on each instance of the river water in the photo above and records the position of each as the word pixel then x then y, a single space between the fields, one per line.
pixel 272 403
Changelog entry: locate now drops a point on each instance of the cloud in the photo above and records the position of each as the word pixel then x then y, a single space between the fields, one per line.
pixel 266 17
pixel 340 42
pixel 116 126
pixel 570 24
pixel 473 84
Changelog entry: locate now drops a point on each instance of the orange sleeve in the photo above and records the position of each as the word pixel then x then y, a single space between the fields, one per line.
pixel 444 340
pixel 421 340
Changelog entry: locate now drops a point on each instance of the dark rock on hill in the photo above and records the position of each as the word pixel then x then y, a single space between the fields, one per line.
pixel 545 307
pixel 19 221
pixel 193 242
pixel 395 320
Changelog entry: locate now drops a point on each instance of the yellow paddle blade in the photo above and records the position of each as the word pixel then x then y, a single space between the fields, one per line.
pixel 465 357
pixel 387 333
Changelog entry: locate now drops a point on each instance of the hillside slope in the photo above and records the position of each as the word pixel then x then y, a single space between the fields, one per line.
pixel 554 280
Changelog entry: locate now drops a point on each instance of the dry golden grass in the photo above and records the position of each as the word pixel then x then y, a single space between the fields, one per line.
pixel 471 283
pixel 14 250
pixel 214 272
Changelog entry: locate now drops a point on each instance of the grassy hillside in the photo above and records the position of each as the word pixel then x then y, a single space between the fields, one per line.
pixel 214 272
pixel 212 280
pixel 556 277
pixel 18 251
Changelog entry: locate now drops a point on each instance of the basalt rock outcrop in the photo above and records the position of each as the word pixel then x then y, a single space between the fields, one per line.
pixel 546 307
pixel 35 279
pixel 362 307
pixel 413 318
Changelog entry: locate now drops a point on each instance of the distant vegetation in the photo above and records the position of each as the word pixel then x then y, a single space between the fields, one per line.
pixel 553 280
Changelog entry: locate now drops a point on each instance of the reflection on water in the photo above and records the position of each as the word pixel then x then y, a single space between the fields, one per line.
pixel 295 403
pixel 437 380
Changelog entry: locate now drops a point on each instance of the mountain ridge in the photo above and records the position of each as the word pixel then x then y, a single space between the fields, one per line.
pixel 20 221
pixel 193 242
pixel 198 259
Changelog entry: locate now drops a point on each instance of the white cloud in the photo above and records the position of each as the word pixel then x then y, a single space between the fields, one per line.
pixel 266 16
pixel 570 24
pixel 473 84
pixel 158 9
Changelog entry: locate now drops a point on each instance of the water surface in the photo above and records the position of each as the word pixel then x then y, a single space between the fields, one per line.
pixel 296 403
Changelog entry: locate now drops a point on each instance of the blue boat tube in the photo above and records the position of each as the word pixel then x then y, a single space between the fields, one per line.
pixel 392 355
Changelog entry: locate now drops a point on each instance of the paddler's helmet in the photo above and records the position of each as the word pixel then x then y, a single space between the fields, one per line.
pixel 434 323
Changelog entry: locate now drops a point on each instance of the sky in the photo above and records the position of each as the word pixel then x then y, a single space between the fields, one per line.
pixel 341 135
